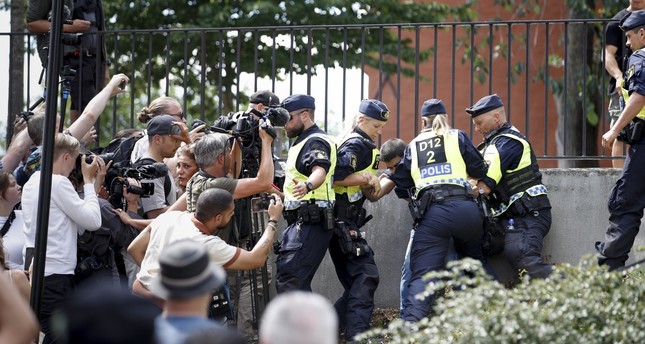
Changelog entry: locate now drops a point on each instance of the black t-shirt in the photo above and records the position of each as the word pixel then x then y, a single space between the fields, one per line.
pixel 616 37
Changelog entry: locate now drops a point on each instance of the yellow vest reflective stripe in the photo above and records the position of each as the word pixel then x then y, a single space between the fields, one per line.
pixel 491 156
pixel 437 160
pixel 641 114
pixel 354 193
pixel 324 194
pixel 534 191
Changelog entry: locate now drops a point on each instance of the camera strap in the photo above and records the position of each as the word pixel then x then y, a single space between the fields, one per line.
pixel 7 224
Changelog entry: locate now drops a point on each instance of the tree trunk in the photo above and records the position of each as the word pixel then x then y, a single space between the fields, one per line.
pixel 575 135
pixel 16 64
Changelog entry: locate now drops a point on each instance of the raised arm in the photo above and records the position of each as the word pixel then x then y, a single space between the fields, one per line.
pixel 95 107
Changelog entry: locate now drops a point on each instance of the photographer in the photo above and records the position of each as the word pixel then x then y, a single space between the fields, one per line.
pixel 213 156
pixel 213 212
pixel 164 137
pixel 83 49
pixel 68 214
pixel 121 225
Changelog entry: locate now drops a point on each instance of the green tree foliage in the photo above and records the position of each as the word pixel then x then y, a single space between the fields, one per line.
pixel 577 304
pixel 271 39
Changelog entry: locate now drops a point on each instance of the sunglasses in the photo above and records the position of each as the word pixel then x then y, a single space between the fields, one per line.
pixel 297 114
pixel 181 115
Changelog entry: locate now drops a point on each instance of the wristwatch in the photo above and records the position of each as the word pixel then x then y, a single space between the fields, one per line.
pixel 309 186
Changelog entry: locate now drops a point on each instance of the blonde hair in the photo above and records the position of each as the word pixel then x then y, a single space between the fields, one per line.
pixel 64 143
pixel 437 123
pixel 157 107
pixel 350 124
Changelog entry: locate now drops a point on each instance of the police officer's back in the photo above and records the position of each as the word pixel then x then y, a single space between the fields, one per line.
pixel 435 167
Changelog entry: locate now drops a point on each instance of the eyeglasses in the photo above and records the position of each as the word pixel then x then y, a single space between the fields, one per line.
pixel 180 115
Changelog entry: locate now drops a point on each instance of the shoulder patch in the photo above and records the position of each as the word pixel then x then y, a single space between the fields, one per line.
pixel 352 161
pixel 630 72
pixel 318 154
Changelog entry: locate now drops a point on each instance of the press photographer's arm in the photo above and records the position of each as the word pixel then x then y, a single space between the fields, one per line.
pixel 131 201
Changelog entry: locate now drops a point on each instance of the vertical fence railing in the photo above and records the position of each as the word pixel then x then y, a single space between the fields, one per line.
pixel 211 72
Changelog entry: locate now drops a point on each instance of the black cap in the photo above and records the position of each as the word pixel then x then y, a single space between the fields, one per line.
pixel 485 105
pixel 375 109
pixel 162 125
pixel 299 101
pixel 632 20
pixel 433 107
pixel 265 97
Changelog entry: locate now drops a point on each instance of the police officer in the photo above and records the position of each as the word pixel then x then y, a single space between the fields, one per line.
pixel 626 201
pixel 309 197
pixel 513 184
pixel 358 161
pixel 435 167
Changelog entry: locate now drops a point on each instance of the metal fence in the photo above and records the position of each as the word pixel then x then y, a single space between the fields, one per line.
pixel 212 71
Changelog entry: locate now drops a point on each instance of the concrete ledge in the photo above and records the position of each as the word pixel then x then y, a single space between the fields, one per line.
pixel 579 200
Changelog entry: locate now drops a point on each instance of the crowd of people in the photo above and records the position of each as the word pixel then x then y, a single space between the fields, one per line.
pixel 158 236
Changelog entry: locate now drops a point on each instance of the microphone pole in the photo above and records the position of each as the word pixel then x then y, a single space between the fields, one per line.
pixel 44 193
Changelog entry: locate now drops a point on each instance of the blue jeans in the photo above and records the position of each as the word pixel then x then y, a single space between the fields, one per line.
pixel 406 273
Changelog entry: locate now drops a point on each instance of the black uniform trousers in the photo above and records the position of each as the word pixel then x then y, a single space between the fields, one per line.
pixel 523 244
pixel 359 277
pixel 457 219
pixel 303 248
pixel 625 204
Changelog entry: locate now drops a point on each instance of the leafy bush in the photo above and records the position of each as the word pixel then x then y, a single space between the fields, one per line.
pixel 577 304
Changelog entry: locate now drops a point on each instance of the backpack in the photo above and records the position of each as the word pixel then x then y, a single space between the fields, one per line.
pixel 119 151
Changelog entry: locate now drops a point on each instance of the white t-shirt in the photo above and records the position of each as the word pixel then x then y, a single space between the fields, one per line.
pixel 68 214
pixel 14 241
pixel 159 199
pixel 140 148
pixel 174 226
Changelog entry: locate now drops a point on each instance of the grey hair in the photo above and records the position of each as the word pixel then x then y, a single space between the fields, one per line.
pixel 299 318
pixel 208 148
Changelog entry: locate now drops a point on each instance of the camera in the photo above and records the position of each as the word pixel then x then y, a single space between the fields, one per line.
pixel 107 157
pixel 26 115
pixel 197 122
pixel 246 127
pixel 117 178
pixel 260 203
pixel 72 38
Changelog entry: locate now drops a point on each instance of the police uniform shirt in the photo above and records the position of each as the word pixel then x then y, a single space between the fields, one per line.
pixel 475 166
pixel 635 75
pixel 354 155
pixel 510 153
pixel 316 151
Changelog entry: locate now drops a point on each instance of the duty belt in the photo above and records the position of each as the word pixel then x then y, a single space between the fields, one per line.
pixel 533 191
pixel 442 183
pixel 294 205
